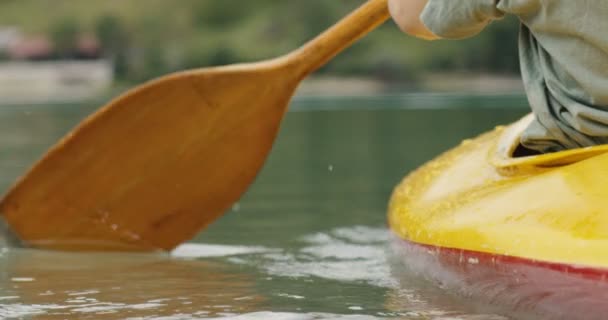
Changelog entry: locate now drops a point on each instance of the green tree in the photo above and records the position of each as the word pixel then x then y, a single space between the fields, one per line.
pixel 64 35
pixel 219 14
pixel 113 35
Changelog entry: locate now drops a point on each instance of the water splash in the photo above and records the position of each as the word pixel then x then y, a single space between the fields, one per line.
pixel 344 273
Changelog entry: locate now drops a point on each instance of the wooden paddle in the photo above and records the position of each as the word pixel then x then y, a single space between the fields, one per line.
pixel 156 165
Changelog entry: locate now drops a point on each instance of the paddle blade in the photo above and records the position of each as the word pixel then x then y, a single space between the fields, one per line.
pixel 152 168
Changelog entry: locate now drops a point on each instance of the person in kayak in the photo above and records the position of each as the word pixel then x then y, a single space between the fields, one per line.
pixel 563 48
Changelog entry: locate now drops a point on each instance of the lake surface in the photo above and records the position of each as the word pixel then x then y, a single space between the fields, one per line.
pixel 308 241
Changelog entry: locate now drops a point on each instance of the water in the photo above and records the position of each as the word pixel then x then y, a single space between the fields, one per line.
pixel 308 240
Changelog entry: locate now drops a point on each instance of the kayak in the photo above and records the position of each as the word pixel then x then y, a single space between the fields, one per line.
pixel 525 232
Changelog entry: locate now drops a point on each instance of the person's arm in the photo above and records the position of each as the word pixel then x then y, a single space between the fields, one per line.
pixel 406 14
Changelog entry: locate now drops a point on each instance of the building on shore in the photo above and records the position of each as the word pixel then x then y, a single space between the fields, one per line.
pixel 8 36
pixel 53 81
pixel 31 71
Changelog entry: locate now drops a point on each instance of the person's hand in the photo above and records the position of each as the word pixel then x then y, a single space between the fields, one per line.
pixel 406 13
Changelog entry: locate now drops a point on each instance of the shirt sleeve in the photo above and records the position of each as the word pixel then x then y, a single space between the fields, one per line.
pixel 457 19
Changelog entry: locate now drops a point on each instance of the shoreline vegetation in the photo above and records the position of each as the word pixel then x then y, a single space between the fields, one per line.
pixel 326 88
pixel 315 86
pixel 148 38
pixel 456 82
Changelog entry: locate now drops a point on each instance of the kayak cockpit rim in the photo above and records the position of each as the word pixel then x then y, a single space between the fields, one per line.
pixel 502 154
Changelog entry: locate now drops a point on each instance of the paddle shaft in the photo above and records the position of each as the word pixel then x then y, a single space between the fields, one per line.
pixel 324 47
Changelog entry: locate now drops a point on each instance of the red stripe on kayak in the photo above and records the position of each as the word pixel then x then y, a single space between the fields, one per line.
pixel 589 272
pixel 518 286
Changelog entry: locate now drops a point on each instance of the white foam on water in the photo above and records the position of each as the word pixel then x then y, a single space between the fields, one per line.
pixel 268 315
pixel 104 307
pixel 83 293
pixel 22 279
pixel 199 250
pixel 294 316
pixel 19 310
pixel 344 251
pixel 363 234
pixel 345 254
pixel 291 296
pixel 265 315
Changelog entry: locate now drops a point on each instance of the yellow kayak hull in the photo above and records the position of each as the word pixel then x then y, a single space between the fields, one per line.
pixel 550 208
pixel 527 236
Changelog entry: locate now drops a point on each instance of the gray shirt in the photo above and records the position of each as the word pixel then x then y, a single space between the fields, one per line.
pixel 563 48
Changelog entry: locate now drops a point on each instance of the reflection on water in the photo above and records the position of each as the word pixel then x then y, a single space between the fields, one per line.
pixel 50 285
pixel 307 241
pixel 345 273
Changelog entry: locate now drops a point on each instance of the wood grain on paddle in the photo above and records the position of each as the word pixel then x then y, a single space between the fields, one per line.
pixel 155 166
